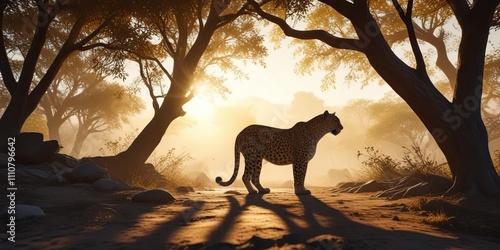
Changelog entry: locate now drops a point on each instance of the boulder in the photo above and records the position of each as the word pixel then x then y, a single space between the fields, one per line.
pixel 104 185
pixel 25 211
pixel 348 184
pixel 27 173
pixel 31 149
pixel 372 186
pixel 184 189
pixel 339 175
pixel 200 179
pixel 110 185
pixel 87 172
pixel 63 159
pixel 156 196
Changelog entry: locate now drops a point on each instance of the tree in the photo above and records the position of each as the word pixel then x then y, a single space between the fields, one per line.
pixel 79 94
pixel 71 26
pixel 192 40
pixel 432 23
pixel 456 125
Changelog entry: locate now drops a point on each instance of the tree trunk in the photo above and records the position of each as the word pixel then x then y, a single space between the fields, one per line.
pixel 457 127
pixel 127 164
pixel 80 137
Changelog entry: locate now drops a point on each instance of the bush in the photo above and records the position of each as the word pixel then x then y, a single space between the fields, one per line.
pixel 378 166
pixel 381 167
pixel 170 164
pixel 417 161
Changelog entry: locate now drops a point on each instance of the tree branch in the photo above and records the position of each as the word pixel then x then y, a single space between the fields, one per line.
pixel 411 35
pixel 343 7
pixel 5 68
pixel 147 82
pixel 461 10
pixel 321 35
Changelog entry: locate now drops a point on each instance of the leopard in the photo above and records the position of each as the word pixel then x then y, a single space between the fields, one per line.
pixel 295 146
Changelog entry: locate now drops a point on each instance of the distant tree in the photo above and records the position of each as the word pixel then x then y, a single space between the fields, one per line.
pixel 193 40
pixel 82 95
pixel 104 107
pixel 456 125
pixel 394 121
pixel 70 26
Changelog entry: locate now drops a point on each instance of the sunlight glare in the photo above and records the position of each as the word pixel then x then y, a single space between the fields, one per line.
pixel 202 104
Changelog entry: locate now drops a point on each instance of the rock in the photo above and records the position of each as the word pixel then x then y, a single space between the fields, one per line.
pixel 395 218
pixel 184 189
pixel 39 173
pixel 63 159
pixel 31 149
pixel 25 211
pixel 286 184
pixel 157 196
pixel 104 185
pixel 200 179
pixel 87 172
pixel 110 185
pixel 372 186
pixel 339 175
pixel 350 184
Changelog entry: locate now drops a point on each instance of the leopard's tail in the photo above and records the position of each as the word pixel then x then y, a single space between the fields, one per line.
pixel 235 173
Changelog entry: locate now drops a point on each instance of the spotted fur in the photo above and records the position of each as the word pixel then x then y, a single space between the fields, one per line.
pixel 296 146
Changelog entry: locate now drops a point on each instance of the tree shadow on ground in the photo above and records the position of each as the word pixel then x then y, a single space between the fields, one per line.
pixel 306 221
pixel 326 228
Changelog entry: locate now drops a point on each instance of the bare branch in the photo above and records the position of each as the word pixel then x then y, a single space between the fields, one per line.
pixel 333 41
pixel 147 81
pixel 411 35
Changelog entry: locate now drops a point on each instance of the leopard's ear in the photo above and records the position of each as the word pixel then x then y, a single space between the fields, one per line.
pixel 325 115
pixel 333 113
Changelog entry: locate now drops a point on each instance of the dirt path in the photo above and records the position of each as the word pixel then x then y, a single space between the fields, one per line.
pixel 215 220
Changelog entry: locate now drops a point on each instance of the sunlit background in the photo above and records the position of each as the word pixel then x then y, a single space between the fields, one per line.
pixel 274 95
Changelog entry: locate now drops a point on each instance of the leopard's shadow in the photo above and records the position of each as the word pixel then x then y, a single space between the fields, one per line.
pixel 330 222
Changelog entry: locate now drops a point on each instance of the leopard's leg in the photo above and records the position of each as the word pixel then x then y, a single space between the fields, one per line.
pixel 256 177
pixel 247 175
pixel 299 175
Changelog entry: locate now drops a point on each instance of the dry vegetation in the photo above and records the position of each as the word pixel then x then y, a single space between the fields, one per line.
pixel 379 166
pixel 169 165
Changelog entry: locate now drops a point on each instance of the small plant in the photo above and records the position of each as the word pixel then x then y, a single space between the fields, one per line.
pixel 416 160
pixel 116 146
pixel 168 167
pixel 378 166
pixel 438 218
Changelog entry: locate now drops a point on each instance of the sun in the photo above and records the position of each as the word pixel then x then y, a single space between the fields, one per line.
pixel 202 104
pixel 199 107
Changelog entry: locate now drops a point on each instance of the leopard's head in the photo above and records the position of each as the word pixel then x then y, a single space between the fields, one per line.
pixel 332 122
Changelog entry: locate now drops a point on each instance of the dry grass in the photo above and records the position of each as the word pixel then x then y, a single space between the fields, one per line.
pixel 438 218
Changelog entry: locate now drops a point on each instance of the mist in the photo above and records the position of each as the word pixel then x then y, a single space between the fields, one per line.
pixel 210 139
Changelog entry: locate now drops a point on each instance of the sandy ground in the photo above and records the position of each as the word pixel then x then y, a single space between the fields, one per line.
pixel 217 219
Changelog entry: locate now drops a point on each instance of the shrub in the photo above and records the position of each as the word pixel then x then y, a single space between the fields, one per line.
pixel 378 166
pixel 381 167
pixel 415 160
pixel 170 164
